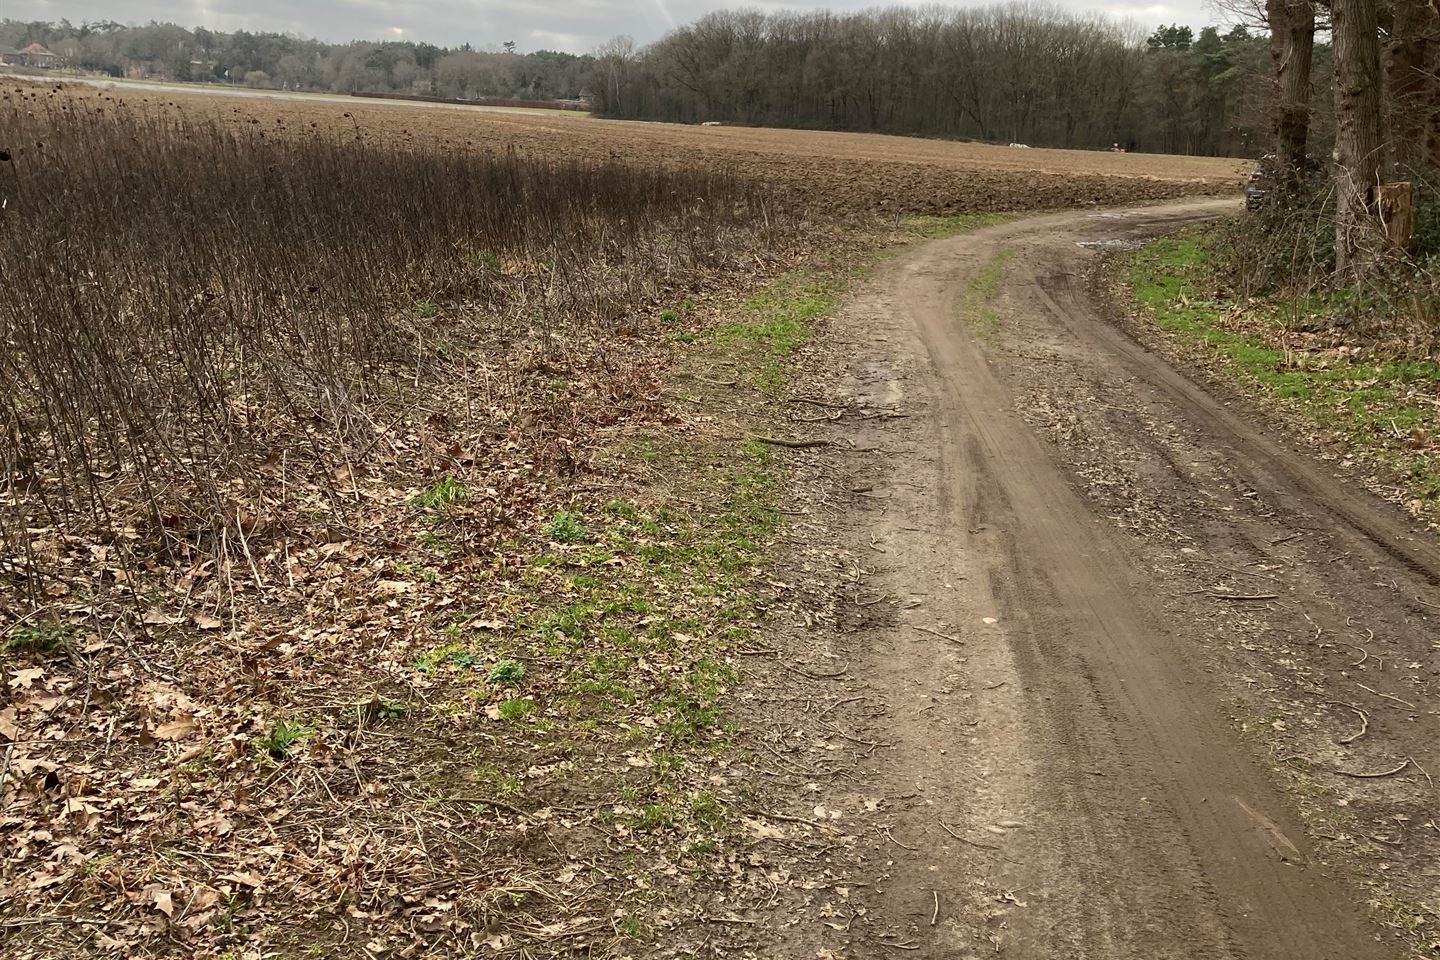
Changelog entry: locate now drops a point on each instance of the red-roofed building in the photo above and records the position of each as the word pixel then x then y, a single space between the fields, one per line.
pixel 36 55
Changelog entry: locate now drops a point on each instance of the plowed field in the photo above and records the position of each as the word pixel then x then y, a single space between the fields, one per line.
pixel 852 172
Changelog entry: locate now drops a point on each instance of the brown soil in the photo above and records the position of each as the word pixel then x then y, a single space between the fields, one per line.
pixel 849 171
pixel 1112 639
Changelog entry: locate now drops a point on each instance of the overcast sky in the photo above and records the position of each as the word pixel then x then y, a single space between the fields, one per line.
pixel 574 25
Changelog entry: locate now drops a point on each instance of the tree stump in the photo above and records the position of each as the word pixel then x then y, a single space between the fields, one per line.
pixel 1395 206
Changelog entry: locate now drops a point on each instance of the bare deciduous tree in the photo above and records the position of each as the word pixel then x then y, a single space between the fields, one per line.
pixel 1027 72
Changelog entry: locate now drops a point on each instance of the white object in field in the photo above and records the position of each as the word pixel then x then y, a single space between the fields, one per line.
pixel 711 123
pixel 1022 146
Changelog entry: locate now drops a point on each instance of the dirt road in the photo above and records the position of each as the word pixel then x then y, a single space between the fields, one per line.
pixel 1107 600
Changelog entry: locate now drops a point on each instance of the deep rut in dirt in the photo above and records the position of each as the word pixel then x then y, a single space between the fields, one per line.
pixel 1073 766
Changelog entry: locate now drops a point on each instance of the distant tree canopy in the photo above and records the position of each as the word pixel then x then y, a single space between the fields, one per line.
pixel 171 52
pixel 1025 72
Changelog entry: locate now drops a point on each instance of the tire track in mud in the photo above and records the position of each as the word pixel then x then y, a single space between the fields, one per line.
pixel 1072 787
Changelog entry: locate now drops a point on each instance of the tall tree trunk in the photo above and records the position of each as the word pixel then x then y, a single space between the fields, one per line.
pixel 1407 83
pixel 1292 47
pixel 1359 237
pixel 1430 97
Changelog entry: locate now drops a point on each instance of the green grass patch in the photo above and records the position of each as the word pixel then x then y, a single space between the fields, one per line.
pixel 443 493
pixel 977 299
pixel 516 708
pixel 566 527
pixel 501 785
pixel 506 673
pixel 941 227
pixel 776 321
pixel 1377 406
pixel 284 737
pixel 44 639
pixel 457 655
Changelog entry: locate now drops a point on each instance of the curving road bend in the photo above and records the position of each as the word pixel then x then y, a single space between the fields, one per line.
pixel 1077 768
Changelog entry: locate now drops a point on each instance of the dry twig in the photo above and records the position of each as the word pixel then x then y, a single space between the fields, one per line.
pixel 1372 776
pixel 936 633
pixel 1386 695
pixel 789 444
pixel 1364 721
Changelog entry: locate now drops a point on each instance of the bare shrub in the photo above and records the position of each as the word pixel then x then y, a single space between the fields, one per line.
pixel 1287 247
pixel 197 317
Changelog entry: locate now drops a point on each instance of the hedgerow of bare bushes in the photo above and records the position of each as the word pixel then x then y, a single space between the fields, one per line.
pixel 1287 248
pixel 199 319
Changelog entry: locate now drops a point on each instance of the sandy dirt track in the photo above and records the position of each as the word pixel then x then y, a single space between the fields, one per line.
pixel 1120 613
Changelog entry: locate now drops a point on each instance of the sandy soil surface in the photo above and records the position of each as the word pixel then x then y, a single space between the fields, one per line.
pixel 1141 679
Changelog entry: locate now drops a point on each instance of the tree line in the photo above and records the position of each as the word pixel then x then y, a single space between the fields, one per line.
pixel 1341 96
pixel 1023 72
pixel 170 52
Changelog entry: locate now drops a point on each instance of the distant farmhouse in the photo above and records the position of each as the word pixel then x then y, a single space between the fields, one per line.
pixel 35 55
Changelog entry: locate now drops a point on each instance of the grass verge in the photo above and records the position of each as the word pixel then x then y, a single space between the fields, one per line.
pixel 942 227
pixel 773 323
pixel 495 713
pixel 977 299
pixel 1383 410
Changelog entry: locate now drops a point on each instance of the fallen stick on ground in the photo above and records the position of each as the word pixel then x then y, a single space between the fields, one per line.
pixel 973 843
pixel 936 633
pixel 1364 721
pixel 839 703
pixel 824 676
pixel 1386 695
pixel 792 444
pixel 786 818
pixel 1422 770
pixel 1372 776
pixel 497 804
pixel 1365 654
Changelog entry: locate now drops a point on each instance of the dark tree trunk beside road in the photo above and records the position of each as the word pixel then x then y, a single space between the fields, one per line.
pixel 1292 47
pixel 1410 86
pixel 1359 238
